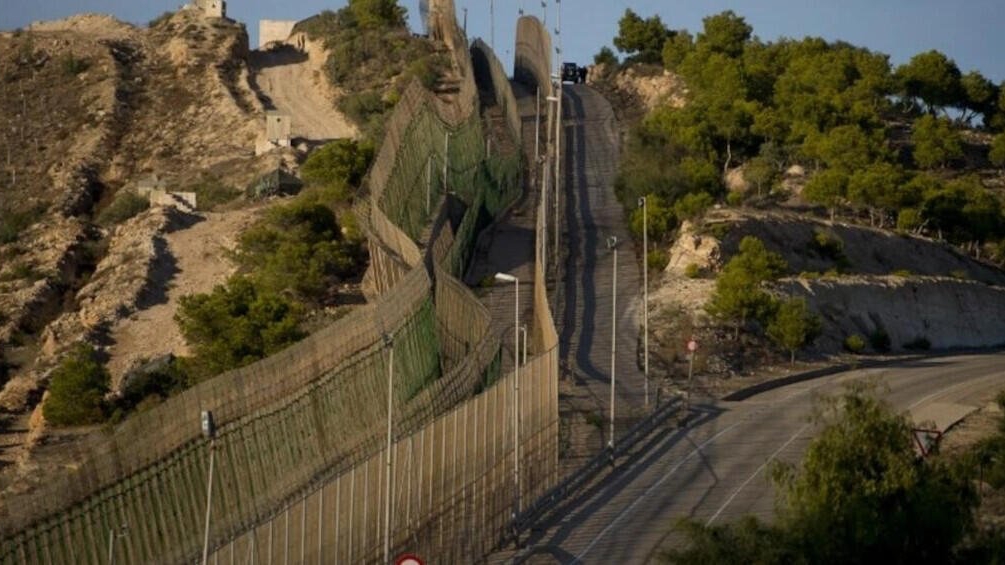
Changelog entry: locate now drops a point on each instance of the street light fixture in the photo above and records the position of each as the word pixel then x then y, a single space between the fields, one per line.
pixel 508 278
pixel 645 294
pixel 389 344
pixel 208 430
pixel 612 244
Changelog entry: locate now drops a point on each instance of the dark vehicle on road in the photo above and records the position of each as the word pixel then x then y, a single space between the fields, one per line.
pixel 570 72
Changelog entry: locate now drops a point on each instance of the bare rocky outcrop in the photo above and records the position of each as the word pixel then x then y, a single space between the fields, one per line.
pixel 943 312
pixel 648 87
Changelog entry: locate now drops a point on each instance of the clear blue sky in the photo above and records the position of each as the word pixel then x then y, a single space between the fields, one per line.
pixel 971 32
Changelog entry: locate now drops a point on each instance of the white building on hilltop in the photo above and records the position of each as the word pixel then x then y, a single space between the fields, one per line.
pixel 211 8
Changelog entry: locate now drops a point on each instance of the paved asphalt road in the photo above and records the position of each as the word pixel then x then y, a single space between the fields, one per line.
pixel 714 470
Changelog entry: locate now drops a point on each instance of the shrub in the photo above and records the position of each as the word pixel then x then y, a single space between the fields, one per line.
pixel 236 325
pixel 73 65
pixel 854 343
pixel 13 223
pixel 77 390
pixel 656 260
pixel 959 274
pixel 904 273
pixel 880 340
pixel 605 56
pixel 22 272
pixel 126 205
pixel 339 164
pixel 736 198
pixel 211 192
pixel 919 343
pixel 692 271
pixel 159 20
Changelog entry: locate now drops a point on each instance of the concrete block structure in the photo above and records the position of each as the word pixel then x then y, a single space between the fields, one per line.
pixel 278 128
pixel 211 8
pixel 271 31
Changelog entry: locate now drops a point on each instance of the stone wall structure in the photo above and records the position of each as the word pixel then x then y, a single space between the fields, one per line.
pixel 271 31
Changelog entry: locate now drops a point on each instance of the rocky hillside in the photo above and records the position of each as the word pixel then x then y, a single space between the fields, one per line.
pixel 918 292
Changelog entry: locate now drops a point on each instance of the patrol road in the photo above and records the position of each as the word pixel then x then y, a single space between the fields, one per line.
pixel 714 470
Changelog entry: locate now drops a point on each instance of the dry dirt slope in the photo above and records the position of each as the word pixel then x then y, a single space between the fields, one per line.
pixel 912 288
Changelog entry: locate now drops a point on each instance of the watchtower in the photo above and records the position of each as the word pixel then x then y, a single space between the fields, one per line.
pixel 212 8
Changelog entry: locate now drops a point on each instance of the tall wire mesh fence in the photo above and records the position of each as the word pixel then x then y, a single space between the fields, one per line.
pixel 299 455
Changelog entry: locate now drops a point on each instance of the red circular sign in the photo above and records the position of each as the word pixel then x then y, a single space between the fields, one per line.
pixel 692 346
pixel 409 559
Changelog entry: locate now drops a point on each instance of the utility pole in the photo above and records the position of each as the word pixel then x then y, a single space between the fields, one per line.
pixel 558 129
pixel 645 294
pixel 537 131
pixel 429 184
pixel 389 344
pixel 492 22
pixel 612 244
pixel 208 430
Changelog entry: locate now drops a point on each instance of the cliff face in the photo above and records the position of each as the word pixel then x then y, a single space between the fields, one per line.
pixel 946 312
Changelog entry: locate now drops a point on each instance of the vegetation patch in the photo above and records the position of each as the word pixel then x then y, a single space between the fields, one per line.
pixel 126 205
pixel 77 389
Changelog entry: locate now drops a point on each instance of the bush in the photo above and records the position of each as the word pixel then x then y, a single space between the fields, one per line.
pixel 879 340
pixel 22 272
pixel 657 260
pixel 854 343
pixel 13 223
pixel 236 325
pixel 904 273
pixel 73 66
pixel 919 343
pixel 211 192
pixel 159 20
pixel 339 164
pixel 959 274
pixel 126 205
pixel 692 271
pixel 605 56
pixel 77 390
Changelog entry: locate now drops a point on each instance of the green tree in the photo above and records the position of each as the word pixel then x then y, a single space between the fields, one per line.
pixel 235 325
pixel 641 39
pixel 659 219
pixel 376 14
pixel 980 96
pixel 861 495
pixel 847 147
pixel 828 188
pixel 692 206
pixel 878 188
pixel 760 172
pixel 676 49
pixel 746 541
pixel 725 33
pixel 77 389
pixel 936 142
pixel 339 166
pixel 738 295
pixel 794 326
pixel 933 78
pixel 997 153
pixel 605 57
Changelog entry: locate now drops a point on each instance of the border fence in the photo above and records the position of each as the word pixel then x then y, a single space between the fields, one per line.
pixel 302 472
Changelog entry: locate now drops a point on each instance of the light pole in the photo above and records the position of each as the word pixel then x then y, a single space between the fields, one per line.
pixel 612 244
pixel 446 160
pixel 208 430
pixel 389 344
pixel 506 277
pixel 537 129
pixel 523 358
pixel 492 20
pixel 645 294
pixel 123 531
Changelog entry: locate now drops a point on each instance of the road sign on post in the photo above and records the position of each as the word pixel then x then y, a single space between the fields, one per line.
pixel 692 345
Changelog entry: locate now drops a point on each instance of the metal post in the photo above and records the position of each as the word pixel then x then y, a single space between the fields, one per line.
pixel 645 295
pixel 429 184
pixel 690 371
pixel 612 243
pixel 492 20
pixel 558 166
pixel 208 430
pixel 387 474
pixel 111 547
pixel 446 159
pixel 537 131
pixel 523 360
pixel 504 277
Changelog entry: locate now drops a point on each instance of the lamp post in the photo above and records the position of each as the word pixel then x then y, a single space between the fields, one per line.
pixel 208 430
pixel 558 125
pixel 523 345
pixel 112 535
pixel 612 244
pixel 506 277
pixel 645 294
pixel 389 344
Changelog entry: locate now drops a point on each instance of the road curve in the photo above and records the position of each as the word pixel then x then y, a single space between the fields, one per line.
pixel 714 469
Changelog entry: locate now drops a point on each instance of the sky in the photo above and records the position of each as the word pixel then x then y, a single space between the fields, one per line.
pixel 969 31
